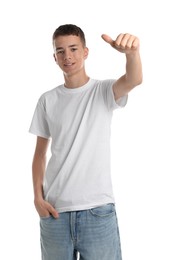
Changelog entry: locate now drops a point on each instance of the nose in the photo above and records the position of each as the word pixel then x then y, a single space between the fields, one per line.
pixel 67 55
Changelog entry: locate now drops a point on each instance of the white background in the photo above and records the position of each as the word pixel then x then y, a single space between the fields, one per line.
pixel 141 142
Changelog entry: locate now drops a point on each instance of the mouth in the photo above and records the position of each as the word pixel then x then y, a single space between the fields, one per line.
pixel 68 64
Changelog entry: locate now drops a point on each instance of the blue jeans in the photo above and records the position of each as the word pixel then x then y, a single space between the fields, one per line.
pixel 93 233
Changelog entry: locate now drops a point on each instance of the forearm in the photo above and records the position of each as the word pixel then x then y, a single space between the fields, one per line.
pixel 132 77
pixel 133 69
pixel 43 207
pixel 38 170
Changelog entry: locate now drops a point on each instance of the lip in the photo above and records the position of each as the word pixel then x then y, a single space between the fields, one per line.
pixel 68 64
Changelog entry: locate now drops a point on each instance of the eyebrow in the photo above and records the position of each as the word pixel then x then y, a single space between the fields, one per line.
pixel 70 46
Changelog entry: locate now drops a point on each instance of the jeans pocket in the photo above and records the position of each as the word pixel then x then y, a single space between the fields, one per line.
pixel 103 211
pixel 45 218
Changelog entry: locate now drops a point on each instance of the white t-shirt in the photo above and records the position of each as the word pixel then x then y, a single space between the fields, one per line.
pixel 78 121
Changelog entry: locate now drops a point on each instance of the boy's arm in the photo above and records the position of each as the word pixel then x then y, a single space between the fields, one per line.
pixel 128 44
pixel 38 169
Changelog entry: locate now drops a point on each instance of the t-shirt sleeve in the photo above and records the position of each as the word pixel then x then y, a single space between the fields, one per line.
pixel 109 96
pixel 39 125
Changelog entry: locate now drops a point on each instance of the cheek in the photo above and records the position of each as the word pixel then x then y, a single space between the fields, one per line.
pixel 81 57
pixel 56 60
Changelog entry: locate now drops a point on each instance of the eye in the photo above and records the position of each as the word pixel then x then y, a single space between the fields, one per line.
pixel 60 52
pixel 73 49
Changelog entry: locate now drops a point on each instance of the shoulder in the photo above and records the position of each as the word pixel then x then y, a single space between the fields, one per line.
pixel 49 95
pixel 104 82
pixel 108 82
pixel 105 85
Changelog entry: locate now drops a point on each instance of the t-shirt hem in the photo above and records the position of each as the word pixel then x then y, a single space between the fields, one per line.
pixel 121 102
pixel 83 207
pixel 37 133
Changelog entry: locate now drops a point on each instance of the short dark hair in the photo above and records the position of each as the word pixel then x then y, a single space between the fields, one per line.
pixel 69 29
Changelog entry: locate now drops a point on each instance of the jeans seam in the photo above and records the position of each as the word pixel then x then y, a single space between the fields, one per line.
pixel 101 216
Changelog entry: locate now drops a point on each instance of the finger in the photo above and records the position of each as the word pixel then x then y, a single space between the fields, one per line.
pixel 52 211
pixel 44 213
pixel 124 41
pixel 135 43
pixel 130 42
pixel 119 39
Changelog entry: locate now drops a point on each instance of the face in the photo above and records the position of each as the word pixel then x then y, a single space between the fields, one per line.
pixel 70 54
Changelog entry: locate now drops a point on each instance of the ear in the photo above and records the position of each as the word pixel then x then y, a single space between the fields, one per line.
pixel 86 52
pixel 55 58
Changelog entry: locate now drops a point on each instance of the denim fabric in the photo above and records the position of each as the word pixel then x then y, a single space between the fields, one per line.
pixel 93 233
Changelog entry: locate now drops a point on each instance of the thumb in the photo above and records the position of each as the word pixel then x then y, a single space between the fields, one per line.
pixel 108 39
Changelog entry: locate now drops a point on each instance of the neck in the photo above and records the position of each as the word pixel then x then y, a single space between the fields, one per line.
pixel 75 81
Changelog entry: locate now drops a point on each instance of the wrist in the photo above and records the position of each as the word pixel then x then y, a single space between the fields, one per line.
pixel 38 196
pixel 132 54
